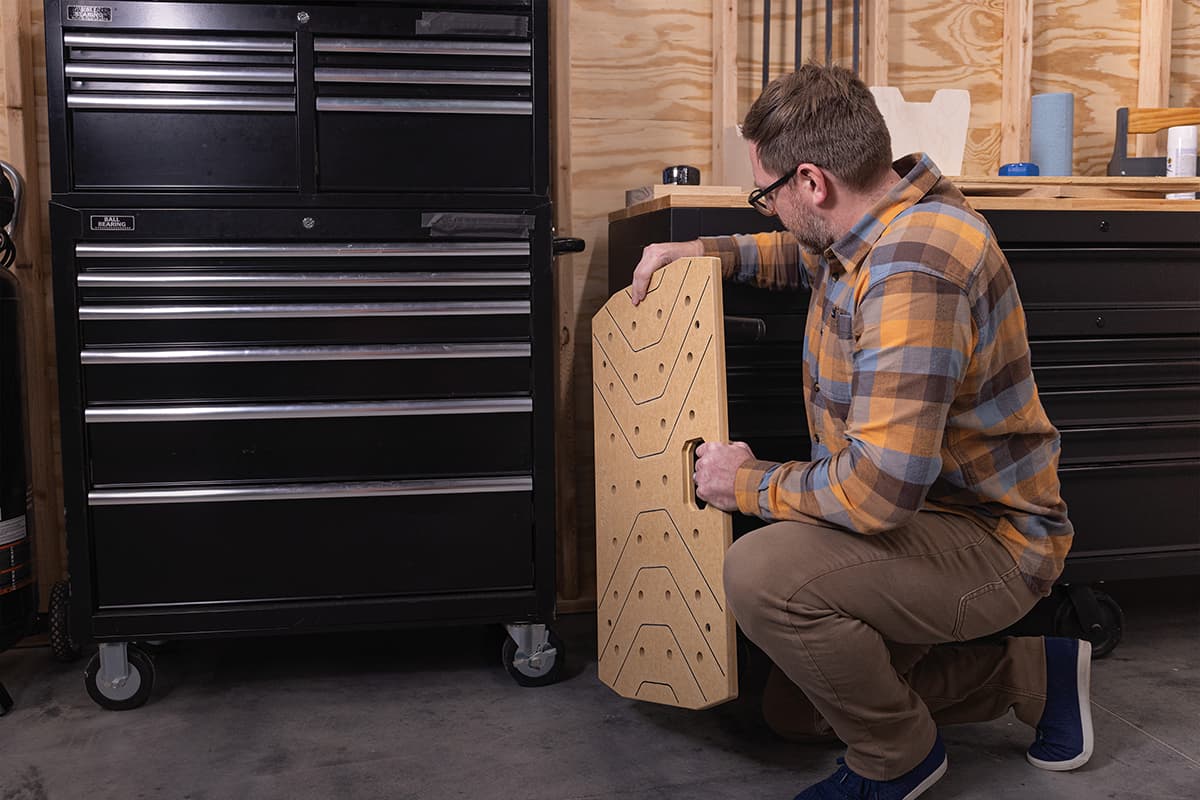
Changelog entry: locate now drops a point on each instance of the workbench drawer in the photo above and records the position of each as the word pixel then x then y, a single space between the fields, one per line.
pixel 1130 443
pixel 1127 508
pixel 1063 278
pixel 309 542
pixel 137 445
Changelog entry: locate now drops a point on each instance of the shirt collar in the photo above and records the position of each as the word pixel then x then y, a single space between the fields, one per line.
pixel 918 175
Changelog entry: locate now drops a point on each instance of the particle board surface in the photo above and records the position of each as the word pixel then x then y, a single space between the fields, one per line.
pixel 665 633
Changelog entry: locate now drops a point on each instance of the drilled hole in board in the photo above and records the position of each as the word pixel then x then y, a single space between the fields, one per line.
pixel 613 488
pixel 616 648
pixel 664 480
pixel 640 594
pixel 689 358
pixel 610 623
pixel 662 423
pixel 612 437
pixel 695 533
pixel 662 368
pixel 635 377
pixel 708 627
pixel 614 594
pixel 633 325
pixel 691 413
pixel 614 541
pixel 666 536
pixel 697 323
pixel 658 313
pixel 604 364
pixel 639 539
pixel 699 656
pixel 610 386
pixel 670 654
pixel 641 651
pixel 637 484
pixel 636 430
pixel 610 336
pixel 697 594
pixel 687 300
pixel 668 594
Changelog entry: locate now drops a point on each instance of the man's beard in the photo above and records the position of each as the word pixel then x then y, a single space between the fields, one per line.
pixel 813 233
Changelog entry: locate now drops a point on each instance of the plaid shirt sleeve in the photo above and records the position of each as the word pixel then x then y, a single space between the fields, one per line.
pixel 914 337
pixel 767 260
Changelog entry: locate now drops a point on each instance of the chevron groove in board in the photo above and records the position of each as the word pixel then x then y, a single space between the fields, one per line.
pixel 665 634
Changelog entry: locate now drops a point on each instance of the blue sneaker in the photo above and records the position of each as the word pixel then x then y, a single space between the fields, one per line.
pixel 846 783
pixel 1064 734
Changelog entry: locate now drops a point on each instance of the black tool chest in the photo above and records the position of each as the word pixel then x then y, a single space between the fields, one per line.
pixel 1112 302
pixel 302 259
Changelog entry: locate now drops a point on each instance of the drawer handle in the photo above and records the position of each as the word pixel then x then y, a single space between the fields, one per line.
pixel 177 103
pixel 247 411
pixel 452 77
pixel 347 250
pixel 182 74
pixel 304 310
pixel 310 491
pixel 230 355
pixel 137 43
pixel 301 279
pixel 385 105
pixel 433 48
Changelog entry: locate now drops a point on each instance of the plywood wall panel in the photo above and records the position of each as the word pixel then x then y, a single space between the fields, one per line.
pixel 1185 54
pixel 1090 48
pixel 936 45
pixel 638 60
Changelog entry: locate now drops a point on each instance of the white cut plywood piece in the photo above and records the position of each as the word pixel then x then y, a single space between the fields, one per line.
pixel 937 128
pixel 665 632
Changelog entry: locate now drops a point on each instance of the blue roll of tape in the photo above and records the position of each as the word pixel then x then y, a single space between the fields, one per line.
pixel 1024 169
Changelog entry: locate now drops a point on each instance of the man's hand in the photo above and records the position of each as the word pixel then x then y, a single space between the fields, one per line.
pixel 716 467
pixel 657 256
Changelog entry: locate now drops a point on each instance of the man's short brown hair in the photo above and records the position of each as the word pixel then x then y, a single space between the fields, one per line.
pixel 824 116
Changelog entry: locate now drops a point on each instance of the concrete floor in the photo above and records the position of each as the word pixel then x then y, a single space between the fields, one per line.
pixel 432 715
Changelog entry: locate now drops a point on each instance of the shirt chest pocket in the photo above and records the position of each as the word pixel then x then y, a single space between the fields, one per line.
pixel 836 357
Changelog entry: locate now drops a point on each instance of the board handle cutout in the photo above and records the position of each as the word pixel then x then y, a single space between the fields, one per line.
pixel 689 470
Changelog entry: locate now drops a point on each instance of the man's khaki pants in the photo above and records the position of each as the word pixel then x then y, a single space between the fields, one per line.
pixel 851 621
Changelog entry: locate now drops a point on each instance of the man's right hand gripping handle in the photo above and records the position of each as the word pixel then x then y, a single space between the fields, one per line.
pixel 655 257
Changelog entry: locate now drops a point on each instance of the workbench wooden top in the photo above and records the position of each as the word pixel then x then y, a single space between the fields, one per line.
pixel 1070 193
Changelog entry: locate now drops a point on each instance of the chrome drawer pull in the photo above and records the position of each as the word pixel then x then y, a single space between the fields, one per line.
pixel 135 42
pixel 310 491
pixel 352 250
pixel 182 74
pixel 194 103
pixel 229 355
pixel 386 105
pixel 433 48
pixel 304 310
pixel 245 411
pixel 301 279
pixel 456 77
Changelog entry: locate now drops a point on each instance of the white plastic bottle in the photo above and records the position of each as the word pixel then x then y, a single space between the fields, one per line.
pixel 1181 157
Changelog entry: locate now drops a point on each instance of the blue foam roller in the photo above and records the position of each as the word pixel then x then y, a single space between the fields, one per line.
pixel 1052 132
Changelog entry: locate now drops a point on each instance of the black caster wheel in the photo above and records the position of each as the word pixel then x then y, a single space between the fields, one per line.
pixel 1093 615
pixel 538 669
pixel 132 693
pixel 62 647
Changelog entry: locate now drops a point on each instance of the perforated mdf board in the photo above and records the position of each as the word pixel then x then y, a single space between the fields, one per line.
pixel 665 631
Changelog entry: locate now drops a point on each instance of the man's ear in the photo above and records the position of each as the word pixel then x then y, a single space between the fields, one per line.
pixel 813 181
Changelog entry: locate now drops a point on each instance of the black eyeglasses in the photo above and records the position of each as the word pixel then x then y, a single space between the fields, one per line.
pixel 761 198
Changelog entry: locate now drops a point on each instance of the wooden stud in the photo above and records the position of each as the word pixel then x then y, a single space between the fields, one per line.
pixel 875 39
pixel 1017 67
pixel 724 82
pixel 32 270
pixel 665 631
pixel 1154 69
pixel 567 523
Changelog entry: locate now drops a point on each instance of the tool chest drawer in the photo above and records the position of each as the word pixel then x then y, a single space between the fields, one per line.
pixel 147 444
pixel 128 375
pixel 176 546
pixel 334 96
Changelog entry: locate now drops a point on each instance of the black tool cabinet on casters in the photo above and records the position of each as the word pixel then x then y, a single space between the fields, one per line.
pixel 303 293
pixel 1112 302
